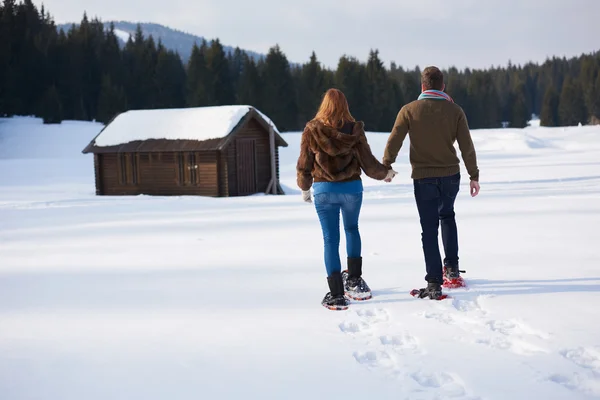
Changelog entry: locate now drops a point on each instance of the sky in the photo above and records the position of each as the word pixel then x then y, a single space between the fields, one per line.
pixel 461 33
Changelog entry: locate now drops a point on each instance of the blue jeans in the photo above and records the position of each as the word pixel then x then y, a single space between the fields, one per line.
pixel 328 207
pixel 435 200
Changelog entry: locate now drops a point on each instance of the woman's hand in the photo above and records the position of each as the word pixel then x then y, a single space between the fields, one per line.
pixel 390 175
pixel 306 196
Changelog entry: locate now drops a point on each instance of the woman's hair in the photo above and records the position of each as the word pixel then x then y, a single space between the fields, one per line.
pixel 334 110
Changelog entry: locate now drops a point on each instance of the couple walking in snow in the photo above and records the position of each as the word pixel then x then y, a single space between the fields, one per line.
pixel 333 152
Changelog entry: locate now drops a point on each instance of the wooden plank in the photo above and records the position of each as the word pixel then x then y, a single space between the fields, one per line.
pixel 232 169
pixel 222 174
pixel 246 163
pixel 98 173
pixel 272 187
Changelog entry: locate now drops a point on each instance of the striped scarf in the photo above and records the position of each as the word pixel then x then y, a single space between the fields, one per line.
pixel 435 94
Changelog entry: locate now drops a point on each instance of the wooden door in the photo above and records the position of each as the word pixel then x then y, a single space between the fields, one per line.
pixel 246 166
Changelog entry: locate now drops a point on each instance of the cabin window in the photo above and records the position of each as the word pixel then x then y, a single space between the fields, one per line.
pixel 122 169
pixel 188 169
pixel 128 169
pixel 193 169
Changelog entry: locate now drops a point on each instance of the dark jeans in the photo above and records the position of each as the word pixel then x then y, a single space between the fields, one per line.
pixel 435 200
pixel 328 207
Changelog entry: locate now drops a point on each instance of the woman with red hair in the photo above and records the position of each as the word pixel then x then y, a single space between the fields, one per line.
pixel 333 152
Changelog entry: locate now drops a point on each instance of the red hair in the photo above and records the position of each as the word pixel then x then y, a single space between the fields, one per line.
pixel 334 110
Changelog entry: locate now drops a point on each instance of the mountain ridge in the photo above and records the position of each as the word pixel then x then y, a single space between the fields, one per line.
pixel 173 39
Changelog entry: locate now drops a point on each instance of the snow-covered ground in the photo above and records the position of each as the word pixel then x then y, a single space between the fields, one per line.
pixel 197 298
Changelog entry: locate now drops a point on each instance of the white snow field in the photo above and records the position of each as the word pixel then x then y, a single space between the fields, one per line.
pixel 200 298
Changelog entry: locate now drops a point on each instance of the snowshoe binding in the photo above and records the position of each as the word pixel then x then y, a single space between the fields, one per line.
pixel 452 278
pixel 433 291
pixel 356 288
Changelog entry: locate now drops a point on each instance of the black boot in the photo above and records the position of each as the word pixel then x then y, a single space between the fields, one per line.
pixel 335 300
pixel 355 286
pixel 432 291
pixel 452 278
pixel 355 267
pixel 451 272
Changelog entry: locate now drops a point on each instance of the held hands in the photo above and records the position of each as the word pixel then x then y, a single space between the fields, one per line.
pixel 390 175
pixel 306 196
pixel 474 188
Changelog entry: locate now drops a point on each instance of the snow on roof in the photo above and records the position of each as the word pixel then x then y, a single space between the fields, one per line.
pixel 200 123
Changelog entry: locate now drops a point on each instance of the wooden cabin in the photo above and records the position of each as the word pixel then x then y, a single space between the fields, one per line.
pixel 206 151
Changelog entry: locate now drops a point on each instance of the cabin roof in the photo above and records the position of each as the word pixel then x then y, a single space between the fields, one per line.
pixel 185 129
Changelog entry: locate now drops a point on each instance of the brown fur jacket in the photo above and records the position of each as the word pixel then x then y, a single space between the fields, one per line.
pixel 328 155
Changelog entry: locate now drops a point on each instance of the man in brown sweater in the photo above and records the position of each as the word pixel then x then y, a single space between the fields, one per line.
pixel 434 123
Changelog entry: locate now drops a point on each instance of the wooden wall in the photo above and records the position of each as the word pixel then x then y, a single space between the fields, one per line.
pixel 158 173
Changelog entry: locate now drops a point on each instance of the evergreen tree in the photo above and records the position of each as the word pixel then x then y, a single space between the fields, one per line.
pixel 279 99
pixel 51 107
pixel 594 102
pixel 483 109
pixel 196 89
pixel 27 78
pixel 411 85
pixel 141 57
pixel 590 69
pixel 571 106
pixel 381 107
pixel 236 65
pixel 170 79
pixel 111 102
pixel 8 88
pixel 112 58
pixel 456 87
pixel 549 113
pixel 220 87
pixel 519 115
pixel 350 78
pixel 311 86
pixel 249 88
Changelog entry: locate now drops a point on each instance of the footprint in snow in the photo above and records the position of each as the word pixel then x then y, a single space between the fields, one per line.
pixel 376 359
pixel 447 385
pixel 515 328
pixel 400 343
pixel 385 353
pixel 354 326
pixel 585 357
pixel 373 315
pixel 363 320
pixel 514 345
pixel 578 382
pixel 472 306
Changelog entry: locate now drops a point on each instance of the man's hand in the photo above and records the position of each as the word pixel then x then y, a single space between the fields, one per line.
pixel 474 188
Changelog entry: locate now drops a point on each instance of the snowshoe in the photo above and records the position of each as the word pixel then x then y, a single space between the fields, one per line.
pixel 336 303
pixel 433 291
pixel 356 288
pixel 452 278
